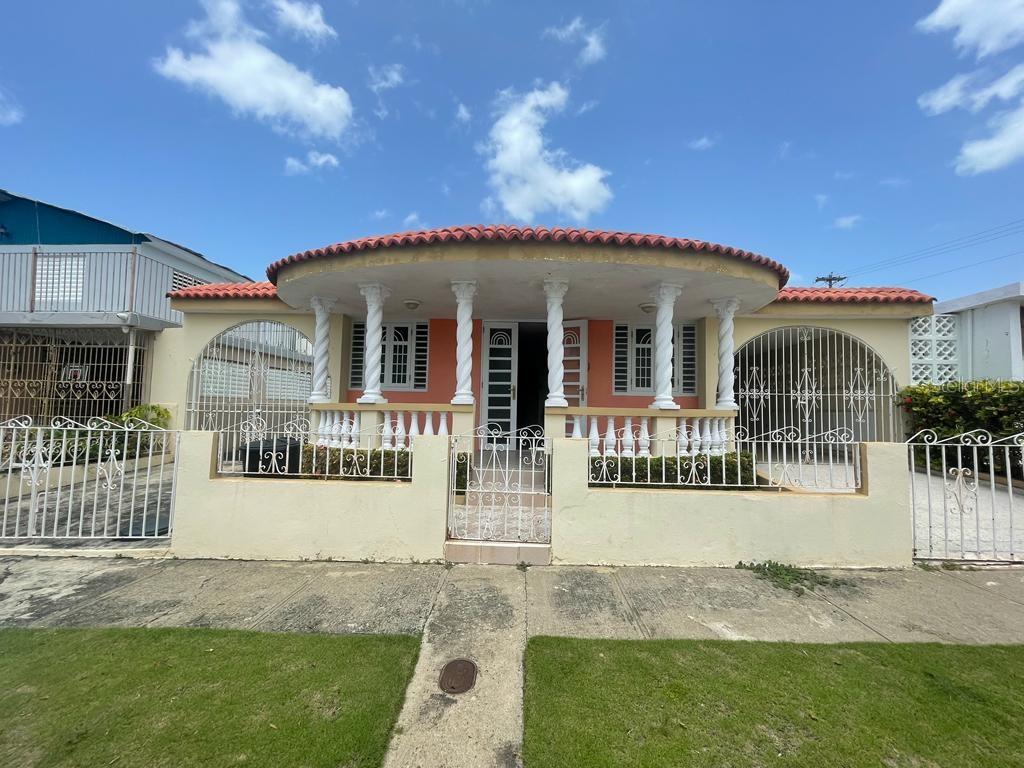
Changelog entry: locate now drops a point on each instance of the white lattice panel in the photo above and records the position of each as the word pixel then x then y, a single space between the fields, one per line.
pixel 935 349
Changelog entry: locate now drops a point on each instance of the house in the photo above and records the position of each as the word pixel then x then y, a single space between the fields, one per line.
pixel 81 301
pixel 987 330
pixel 548 392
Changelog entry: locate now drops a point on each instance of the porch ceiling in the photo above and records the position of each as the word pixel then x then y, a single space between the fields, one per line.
pixel 513 289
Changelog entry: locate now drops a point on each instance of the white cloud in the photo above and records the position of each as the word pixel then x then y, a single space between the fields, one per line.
pixel 783 151
pixel 1003 147
pixel 294 167
pixel 11 112
pixel 576 31
pixel 233 64
pixel 305 19
pixel 894 181
pixel 528 177
pixel 382 79
pixel 381 213
pixel 820 200
pixel 847 222
pixel 704 142
pixel 984 26
pixel 587 106
pixel 988 27
pixel 462 113
pixel 413 221
pixel 843 175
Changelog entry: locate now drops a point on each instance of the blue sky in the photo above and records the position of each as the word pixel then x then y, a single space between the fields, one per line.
pixel 824 135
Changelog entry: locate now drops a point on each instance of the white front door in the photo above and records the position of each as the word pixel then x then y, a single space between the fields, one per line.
pixel 574 382
pixel 500 368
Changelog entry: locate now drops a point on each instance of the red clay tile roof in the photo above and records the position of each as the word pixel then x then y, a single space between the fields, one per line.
pixel 880 295
pixel 502 233
pixel 227 291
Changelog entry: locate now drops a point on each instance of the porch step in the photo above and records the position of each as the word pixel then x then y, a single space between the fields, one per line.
pixel 496 552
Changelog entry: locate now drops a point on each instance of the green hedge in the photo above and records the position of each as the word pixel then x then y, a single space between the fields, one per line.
pixel 730 471
pixel 949 409
pixel 352 463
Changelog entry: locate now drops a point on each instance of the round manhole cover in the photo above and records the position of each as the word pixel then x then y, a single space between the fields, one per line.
pixel 458 676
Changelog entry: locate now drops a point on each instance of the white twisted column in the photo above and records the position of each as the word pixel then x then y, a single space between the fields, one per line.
pixel 664 296
pixel 725 309
pixel 321 349
pixel 555 291
pixel 464 291
pixel 375 295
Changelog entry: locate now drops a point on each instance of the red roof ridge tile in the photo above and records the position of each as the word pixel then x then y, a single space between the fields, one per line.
pixel 854 295
pixel 512 233
pixel 261 290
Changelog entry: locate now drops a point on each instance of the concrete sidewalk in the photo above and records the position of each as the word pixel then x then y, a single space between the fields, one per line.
pixel 486 613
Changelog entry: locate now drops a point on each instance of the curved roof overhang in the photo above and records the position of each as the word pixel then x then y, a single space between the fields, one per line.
pixel 610 273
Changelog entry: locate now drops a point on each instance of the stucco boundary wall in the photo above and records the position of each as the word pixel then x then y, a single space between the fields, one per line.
pixel 296 519
pixel 609 526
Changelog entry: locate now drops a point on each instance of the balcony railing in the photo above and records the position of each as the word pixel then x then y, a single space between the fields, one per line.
pixel 86 282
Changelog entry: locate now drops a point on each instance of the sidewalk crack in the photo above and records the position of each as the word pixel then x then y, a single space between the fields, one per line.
pixel 852 616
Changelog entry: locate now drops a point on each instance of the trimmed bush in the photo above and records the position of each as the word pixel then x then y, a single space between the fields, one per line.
pixel 731 471
pixel 356 463
pixel 949 409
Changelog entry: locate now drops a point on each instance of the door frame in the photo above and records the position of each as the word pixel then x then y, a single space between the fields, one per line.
pixel 485 369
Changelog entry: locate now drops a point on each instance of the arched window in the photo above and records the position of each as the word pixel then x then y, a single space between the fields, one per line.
pixel 256 373
pixel 818 381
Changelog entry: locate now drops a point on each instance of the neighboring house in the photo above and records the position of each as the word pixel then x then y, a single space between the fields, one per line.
pixel 980 336
pixel 81 301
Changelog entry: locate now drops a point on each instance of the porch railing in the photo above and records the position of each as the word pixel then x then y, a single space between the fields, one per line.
pixel 708 453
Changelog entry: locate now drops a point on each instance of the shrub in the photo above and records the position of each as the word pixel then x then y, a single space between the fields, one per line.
pixel 356 463
pixel 949 409
pixel 720 472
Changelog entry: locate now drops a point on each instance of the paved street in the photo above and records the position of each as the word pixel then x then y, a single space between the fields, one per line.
pixel 486 613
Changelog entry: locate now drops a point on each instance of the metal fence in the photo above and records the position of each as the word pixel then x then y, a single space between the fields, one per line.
pixel 706 453
pixel 291 450
pixel 92 480
pixel 500 486
pixel 965 491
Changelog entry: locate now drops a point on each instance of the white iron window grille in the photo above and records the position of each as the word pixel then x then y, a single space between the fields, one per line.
pixel 403 364
pixel 257 372
pixel 818 381
pixel 934 349
pixel 633 359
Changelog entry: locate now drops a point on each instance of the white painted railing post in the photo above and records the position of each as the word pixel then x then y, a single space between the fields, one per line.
pixel 664 296
pixel 594 438
pixel 428 423
pixel 464 291
pixel 321 348
pixel 726 310
pixel 555 291
pixel 386 433
pixel 609 436
pixel 627 437
pixel 577 426
pixel 644 444
pixel 375 295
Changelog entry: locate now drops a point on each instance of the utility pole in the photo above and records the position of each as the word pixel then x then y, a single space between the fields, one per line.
pixel 831 278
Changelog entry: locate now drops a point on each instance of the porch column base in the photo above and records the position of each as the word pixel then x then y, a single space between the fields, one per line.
pixel 665 405
pixel 463 400
pixel 371 399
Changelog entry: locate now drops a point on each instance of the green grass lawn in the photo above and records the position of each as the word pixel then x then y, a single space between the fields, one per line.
pixel 198 697
pixel 721 703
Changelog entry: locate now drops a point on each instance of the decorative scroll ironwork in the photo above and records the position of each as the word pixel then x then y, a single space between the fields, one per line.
pixel 965 490
pixel 818 379
pixel 500 486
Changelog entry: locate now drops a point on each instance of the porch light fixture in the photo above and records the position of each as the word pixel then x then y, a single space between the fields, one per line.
pixel 412 304
pixel 647 307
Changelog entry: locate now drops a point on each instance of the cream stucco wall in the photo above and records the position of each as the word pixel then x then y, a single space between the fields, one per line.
pixel 695 527
pixel 175 349
pixel 291 519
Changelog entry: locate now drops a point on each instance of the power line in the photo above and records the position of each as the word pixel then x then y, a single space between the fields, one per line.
pixel 977 238
pixel 966 266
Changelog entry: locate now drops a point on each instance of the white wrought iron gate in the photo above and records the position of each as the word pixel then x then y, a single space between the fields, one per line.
pixel 500 486
pixel 965 493
pixel 93 480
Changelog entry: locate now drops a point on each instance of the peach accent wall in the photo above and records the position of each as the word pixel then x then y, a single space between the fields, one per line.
pixel 600 383
pixel 440 367
pixel 441 370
